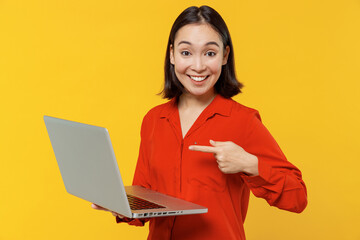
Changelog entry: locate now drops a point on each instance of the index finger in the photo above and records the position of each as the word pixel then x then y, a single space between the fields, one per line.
pixel 206 149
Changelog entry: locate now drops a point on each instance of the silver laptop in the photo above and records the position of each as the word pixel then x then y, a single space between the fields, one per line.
pixel 89 170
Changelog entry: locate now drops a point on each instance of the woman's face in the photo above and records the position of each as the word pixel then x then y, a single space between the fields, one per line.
pixel 198 55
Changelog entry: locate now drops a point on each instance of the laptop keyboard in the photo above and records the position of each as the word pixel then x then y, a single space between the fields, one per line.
pixel 139 203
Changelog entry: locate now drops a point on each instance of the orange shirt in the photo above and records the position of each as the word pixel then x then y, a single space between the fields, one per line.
pixel 166 165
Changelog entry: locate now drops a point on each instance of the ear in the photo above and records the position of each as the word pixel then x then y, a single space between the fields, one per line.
pixel 226 55
pixel 171 49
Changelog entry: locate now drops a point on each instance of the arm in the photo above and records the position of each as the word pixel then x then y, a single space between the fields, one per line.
pixel 279 182
pixel 262 165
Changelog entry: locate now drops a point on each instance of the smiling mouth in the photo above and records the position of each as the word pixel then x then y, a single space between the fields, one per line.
pixel 198 78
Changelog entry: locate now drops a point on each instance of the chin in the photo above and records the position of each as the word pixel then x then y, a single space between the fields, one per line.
pixel 199 93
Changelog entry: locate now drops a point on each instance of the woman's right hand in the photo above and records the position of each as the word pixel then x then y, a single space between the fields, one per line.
pixel 115 214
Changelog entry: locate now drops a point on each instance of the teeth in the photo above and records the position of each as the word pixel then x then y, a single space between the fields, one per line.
pixel 198 79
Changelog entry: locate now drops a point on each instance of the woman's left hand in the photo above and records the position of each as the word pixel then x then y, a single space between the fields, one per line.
pixel 97 207
pixel 231 158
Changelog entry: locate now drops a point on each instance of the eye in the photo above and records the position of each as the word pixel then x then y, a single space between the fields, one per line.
pixel 210 54
pixel 185 53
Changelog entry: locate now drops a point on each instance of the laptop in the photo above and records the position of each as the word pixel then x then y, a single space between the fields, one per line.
pixel 89 170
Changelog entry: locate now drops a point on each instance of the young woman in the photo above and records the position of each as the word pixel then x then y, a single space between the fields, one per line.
pixel 204 147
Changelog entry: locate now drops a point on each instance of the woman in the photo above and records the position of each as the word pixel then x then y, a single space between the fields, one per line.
pixel 204 147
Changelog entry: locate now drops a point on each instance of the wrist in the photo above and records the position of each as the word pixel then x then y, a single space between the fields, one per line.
pixel 253 166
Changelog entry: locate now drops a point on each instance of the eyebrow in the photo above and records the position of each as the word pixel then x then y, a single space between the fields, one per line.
pixel 209 43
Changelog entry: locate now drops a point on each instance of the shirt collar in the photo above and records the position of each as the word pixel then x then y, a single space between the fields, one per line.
pixel 219 105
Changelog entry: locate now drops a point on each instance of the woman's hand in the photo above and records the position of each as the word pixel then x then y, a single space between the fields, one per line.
pixel 231 158
pixel 97 207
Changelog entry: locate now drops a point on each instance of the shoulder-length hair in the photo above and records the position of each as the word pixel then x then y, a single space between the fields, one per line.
pixel 227 84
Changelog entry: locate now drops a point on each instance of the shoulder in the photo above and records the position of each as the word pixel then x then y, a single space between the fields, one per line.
pixel 159 110
pixel 242 111
pixel 153 116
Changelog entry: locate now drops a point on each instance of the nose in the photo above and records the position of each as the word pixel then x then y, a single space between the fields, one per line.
pixel 198 64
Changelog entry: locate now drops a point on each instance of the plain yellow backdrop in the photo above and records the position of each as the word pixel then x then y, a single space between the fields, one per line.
pixel 101 62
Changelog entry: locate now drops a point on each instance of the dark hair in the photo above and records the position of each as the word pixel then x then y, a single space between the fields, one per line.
pixel 227 84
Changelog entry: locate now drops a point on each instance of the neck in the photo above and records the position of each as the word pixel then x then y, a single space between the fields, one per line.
pixel 187 100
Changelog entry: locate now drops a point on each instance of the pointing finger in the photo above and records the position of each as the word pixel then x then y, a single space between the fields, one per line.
pixel 213 143
pixel 207 149
pixel 218 143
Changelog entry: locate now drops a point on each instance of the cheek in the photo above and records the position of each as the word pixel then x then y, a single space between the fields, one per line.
pixel 181 66
pixel 215 66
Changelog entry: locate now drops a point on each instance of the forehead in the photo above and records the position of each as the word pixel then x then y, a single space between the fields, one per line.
pixel 197 34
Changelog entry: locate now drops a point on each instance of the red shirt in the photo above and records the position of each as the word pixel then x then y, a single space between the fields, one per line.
pixel 166 165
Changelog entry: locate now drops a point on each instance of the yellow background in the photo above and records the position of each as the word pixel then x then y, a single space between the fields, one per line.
pixel 101 62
